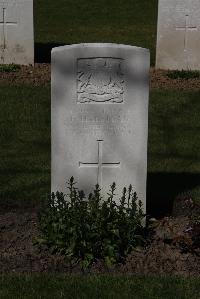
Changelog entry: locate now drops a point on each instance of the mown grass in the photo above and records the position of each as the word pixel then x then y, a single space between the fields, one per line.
pixel 61 286
pixel 25 143
pixel 174 125
pixel 75 21
pixel 174 140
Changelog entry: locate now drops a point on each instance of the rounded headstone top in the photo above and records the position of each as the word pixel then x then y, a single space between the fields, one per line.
pixel 99 45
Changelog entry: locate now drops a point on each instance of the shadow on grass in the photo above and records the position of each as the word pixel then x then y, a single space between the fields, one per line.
pixel 43 51
pixel 163 188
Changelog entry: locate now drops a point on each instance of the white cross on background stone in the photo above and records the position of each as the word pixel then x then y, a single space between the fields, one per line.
pixel 99 165
pixel 186 28
pixel 5 23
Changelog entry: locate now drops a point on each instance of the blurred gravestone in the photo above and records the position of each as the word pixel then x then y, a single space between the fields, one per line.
pixel 100 116
pixel 16 32
pixel 178 37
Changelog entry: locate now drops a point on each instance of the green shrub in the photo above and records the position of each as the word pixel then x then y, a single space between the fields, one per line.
pixel 8 68
pixel 183 74
pixel 89 229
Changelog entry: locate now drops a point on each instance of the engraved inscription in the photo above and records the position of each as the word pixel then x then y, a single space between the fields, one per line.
pixel 107 122
pixel 99 164
pixel 180 9
pixel 100 80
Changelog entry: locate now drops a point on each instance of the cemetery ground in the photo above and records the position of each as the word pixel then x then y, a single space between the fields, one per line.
pixel 123 22
pixel 173 173
pixel 60 286
pixel 173 187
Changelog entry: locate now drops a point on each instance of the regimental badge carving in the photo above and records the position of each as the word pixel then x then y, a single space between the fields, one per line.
pixel 100 80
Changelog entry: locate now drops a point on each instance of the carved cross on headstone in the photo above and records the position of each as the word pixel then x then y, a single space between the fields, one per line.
pixel 5 23
pixel 99 164
pixel 187 27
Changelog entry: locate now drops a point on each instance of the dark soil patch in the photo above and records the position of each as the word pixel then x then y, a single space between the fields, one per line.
pixel 173 249
pixel 159 79
pixel 40 74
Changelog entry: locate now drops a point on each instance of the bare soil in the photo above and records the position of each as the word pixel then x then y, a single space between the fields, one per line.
pixel 173 248
pixel 159 79
pixel 40 74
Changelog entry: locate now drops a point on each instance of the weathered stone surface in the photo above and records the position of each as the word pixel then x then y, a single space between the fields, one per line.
pixel 178 37
pixel 100 116
pixel 16 32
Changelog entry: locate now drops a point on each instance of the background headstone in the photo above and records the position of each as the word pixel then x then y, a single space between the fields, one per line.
pixel 16 32
pixel 178 36
pixel 100 116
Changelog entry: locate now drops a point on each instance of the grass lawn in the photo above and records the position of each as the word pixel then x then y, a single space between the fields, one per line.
pixel 174 141
pixel 74 21
pixel 25 143
pixel 60 286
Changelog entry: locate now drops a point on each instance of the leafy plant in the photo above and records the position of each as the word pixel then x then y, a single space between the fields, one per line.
pixel 8 68
pixel 90 229
pixel 183 74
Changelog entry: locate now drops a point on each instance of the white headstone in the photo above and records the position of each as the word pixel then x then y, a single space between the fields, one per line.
pixel 99 119
pixel 16 32
pixel 178 37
